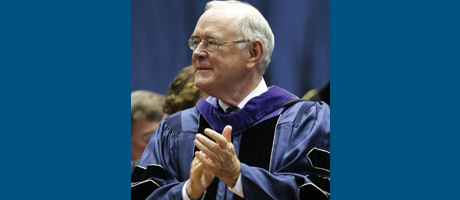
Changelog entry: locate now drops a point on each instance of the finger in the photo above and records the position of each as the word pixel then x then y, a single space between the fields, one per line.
pixel 196 163
pixel 227 133
pixel 197 167
pixel 207 151
pixel 210 144
pixel 216 136
pixel 203 160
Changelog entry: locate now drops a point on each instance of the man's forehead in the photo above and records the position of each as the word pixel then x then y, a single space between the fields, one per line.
pixel 213 24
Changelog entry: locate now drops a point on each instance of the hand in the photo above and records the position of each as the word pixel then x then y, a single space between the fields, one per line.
pixel 219 156
pixel 199 180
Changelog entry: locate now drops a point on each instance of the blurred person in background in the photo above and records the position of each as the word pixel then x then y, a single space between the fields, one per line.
pixel 182 92
pixel 146 115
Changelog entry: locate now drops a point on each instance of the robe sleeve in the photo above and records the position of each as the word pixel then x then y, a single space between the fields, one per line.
pixel 301 171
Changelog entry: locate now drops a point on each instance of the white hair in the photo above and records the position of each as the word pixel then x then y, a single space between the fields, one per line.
pixel 252 27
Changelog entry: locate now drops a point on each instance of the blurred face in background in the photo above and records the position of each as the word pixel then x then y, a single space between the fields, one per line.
pixel 141 131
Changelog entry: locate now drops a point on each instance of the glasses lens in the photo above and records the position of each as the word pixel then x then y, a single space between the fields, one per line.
pixel 209 44
pixel 193 43
pixel 212 45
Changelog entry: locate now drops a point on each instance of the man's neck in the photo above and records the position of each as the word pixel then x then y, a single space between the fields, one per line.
pixel 232 93
pixel 261 88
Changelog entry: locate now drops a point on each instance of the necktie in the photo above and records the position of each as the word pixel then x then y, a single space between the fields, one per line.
pixel 231 110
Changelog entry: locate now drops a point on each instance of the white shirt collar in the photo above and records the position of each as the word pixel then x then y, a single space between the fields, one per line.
pixel 261 88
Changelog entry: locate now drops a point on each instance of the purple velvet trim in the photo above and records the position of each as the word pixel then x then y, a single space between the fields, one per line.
pixel 256 109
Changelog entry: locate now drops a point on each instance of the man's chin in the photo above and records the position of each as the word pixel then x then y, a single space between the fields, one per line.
pixel 202 83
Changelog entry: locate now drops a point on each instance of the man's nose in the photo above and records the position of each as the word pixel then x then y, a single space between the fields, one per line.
pixel 200 50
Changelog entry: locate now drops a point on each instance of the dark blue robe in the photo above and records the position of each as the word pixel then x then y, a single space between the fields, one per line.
pixel 298 156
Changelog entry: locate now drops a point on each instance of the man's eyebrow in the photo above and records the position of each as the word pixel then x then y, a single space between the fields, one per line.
pixel 210 36
pixel 213 36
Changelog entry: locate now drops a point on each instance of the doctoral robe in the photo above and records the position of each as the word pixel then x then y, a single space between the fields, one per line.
pixel 283 148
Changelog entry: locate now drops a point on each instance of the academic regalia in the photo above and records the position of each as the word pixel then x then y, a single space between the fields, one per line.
pixel 283 149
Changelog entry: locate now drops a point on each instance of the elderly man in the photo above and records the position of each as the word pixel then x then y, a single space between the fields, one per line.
pixel 246 140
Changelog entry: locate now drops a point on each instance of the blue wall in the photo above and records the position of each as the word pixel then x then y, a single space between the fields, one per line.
pixel 160 30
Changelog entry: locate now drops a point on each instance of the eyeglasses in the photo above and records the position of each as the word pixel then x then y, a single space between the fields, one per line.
pixel 209 44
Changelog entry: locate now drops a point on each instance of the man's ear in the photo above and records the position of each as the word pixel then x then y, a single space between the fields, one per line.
pixel 256 49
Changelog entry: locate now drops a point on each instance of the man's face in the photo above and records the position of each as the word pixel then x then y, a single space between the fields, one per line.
pixel 215 71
